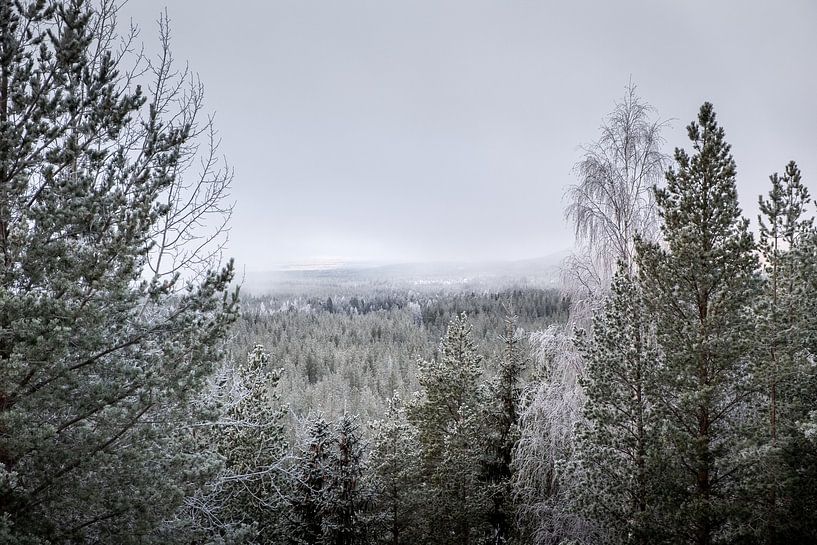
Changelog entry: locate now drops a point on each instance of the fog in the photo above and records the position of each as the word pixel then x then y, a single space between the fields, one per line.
pixel 445 131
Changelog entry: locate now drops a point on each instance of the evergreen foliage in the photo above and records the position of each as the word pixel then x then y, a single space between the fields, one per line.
pixel 700 287
pixel 251 440
pixel 687 413
pixel 780 358
pixel 502 433
pixel 305 510
pixel 355 360
pixel 617 447
pixel 97 361
pixel 348 495
pixel 395 462
pixel 447 415
pixel 329 502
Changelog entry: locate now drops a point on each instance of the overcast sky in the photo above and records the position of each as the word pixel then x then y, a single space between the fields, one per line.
pixel 447 130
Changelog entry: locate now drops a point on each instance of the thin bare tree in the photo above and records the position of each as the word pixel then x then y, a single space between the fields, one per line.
pixel 193 233
pixel 613 202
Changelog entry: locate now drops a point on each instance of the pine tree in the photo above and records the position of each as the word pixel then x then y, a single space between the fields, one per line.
pixel 98 362
pixel 305 513
pixel 329 500
pixel 447 416
pixel 787 465
pixel 616 444
pixel 347 497
pixel 396 467
pixel 781 341
pixel 502 433
pixel 253 444
pixel 699 286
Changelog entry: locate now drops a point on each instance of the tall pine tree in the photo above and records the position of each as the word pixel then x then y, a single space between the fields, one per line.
pixel 787 378
pixel 502 433
pixel 395 463
pixel 700 285
pixel 616 444
pixel 447 415
pixel 97 361
pixel 782 362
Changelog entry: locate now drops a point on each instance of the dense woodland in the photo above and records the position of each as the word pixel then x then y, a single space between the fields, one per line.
pixel 667 393
pixel 353 352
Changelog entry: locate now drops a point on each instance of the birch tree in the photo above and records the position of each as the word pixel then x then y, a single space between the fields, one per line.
pixel 611 204
pixel 613 200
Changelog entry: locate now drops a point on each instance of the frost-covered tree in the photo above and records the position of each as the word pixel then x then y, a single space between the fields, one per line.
pixel 783 363
pixel 611 204
pixel 447 415
pixel 98 357
pixel 502 433
pixel 550 410
pixel 616 456
pixel 250 437
pixel 244 501
pixel 253 444
pixel 700 286
pixel 786 464
pixel 329 500
pixel 347 495
pixel 613 201
pixel 305 505
pixel 395 464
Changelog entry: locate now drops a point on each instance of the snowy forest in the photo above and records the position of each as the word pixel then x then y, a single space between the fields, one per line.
pixel 663 391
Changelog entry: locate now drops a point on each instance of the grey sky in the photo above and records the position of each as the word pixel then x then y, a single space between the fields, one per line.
pixel 447 130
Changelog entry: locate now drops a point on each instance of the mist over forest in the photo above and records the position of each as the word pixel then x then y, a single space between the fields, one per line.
pixel 655 383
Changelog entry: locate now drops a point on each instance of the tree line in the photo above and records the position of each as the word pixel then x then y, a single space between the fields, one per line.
pixel 692 391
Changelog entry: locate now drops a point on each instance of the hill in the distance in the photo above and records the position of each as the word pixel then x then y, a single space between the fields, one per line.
pixel 329 276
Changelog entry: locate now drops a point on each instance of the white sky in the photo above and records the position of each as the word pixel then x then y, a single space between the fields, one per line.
pixel 446 130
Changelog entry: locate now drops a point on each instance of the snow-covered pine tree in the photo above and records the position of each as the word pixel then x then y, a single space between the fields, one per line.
pixel 243 502
pixel 305 501
pixel 700 285
pixel 347 495
pixel 446 414
pixel 615 455
pixel 251 439
pixel 329 499
pixel 787 468
pixel 97 364
pixel 502 433
pixel 461 501
pixel 782 359
pixel 395 463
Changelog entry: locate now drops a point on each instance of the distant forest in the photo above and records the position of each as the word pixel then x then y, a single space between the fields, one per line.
pixel 353 352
